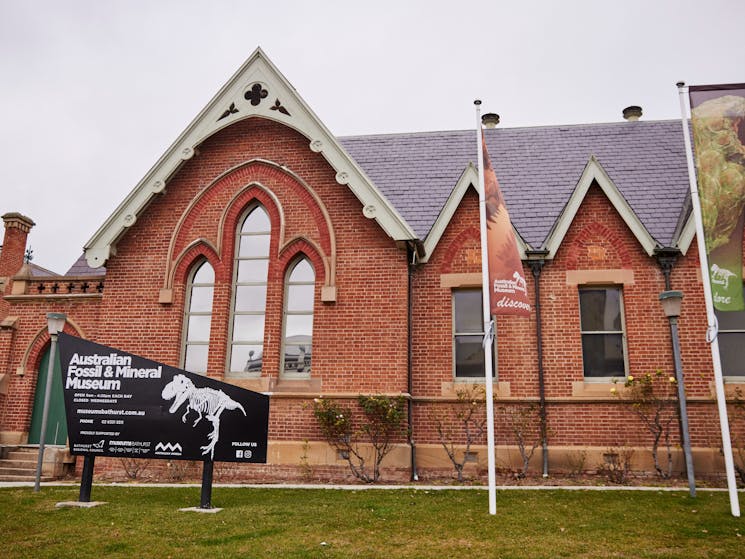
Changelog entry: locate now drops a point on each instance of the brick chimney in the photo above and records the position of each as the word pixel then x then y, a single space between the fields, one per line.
pixel 17 227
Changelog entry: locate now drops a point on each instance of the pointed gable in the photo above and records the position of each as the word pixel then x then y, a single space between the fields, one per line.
pixel 595 174
pixel 257 89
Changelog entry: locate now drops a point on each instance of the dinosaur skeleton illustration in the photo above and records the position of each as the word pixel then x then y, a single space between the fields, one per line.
pixel 721 276
pixel 204 400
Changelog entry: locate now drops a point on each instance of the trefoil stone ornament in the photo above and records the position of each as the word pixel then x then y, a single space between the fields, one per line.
pixel 229 111
pixel 278 107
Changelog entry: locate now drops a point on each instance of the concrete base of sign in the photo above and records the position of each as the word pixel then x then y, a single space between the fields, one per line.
pixel 79 504
pixel 200 509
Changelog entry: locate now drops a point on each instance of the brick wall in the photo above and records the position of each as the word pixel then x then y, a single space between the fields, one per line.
pixel 579 413
pixel 360 339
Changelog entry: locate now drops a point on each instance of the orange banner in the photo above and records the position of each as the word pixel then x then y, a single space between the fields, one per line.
pixel 508 291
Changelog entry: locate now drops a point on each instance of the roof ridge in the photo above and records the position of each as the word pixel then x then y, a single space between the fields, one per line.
pixel 535 127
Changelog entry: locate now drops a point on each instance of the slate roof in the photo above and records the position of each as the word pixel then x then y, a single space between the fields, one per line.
pixel 81 268
pixel 538 169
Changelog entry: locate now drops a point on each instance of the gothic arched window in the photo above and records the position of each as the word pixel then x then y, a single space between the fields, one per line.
pixel 298 319
pixel 198 318
pixel 250 272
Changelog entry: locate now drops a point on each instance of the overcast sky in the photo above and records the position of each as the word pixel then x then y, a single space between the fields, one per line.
pixel 93 92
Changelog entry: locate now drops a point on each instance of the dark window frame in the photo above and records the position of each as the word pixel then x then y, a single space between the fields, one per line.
pixel 609 336
pixel 472 333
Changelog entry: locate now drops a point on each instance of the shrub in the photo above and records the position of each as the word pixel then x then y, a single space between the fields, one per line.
pixel 654 399
pixel 382 421
pixel 616 465
pixel 468 414
pixel 524 424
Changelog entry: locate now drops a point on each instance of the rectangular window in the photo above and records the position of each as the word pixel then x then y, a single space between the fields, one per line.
pixel 468 335
pixel 731 342
pixel 603 339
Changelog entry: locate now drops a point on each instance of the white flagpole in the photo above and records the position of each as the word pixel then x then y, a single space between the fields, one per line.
pixel 711 318
pixel 488 326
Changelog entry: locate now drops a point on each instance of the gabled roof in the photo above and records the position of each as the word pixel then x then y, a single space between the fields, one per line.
pixel 256 89
pixel 539 169
pixel 469 179
pixel 595 174
pixel 411 183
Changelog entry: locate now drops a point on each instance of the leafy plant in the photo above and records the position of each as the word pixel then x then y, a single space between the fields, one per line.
pixel 654 399
pixel 468 414
pixel 382 421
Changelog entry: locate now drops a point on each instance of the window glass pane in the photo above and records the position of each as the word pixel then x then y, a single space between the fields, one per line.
pixel 602 355
pixel 201 299
pixel 257 221
pixel 600 309
pixel 253 246
pixel 300 297
pixel 248 327
pixel 299 328
pixel 246 358
pixel 196 358
pixel 252 271
pixel 199 328
pixel 205 274
pixel 297 358
pixel 303 271
pixel 731 348
pixel 469 356
pixel 468 311
pixel 250 298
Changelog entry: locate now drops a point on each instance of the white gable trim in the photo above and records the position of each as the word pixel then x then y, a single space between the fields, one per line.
pixel 685 239
pixel 469 178
pixel 594 172
pixel 274 99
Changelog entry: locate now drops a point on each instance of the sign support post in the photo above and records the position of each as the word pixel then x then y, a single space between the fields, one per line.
pixel 86 480
pixel 206 498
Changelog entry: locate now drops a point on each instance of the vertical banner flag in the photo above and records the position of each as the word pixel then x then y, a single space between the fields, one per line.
pixel 718 120
pixel 508 293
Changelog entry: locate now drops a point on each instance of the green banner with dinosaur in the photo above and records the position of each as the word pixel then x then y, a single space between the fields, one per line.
pixel 718 120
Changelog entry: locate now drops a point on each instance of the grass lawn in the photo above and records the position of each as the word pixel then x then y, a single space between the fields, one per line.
pixel 143 522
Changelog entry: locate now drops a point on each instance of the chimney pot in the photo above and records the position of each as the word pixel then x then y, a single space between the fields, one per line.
pixel 490 120
pixel 632 113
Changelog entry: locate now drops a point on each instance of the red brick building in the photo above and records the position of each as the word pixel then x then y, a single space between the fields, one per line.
pixel 263 251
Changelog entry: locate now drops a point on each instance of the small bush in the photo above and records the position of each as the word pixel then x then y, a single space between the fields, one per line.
pixel 382 421
pixel 654 399
pixel 468 414
pixel 616 465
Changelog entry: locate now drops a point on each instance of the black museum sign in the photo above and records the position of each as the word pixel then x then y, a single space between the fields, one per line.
pixel 122 405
